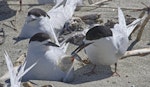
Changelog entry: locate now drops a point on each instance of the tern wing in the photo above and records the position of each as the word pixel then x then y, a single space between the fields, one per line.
pixel 62 13
pixel 10 69
pixel 121 27
pixel 15 77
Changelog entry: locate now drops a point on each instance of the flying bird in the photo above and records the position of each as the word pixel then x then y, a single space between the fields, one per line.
pixel 104 46
pixel 50 22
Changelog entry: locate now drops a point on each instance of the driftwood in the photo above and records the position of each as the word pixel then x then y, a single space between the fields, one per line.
pixel 142 28
pixel 138 52
pixel 100 2
pixel 10 27
pixel 137 27
pixel 144 15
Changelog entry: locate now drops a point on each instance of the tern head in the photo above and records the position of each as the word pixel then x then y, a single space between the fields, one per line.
pixel 41 41
pixel 95 33
pixel 33 23
pixel 35 15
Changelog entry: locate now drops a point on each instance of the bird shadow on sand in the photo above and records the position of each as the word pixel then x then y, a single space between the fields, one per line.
pixel 5 11
pixel 101 72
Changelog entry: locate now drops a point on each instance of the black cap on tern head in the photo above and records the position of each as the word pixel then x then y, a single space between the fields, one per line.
pixel 98 32
pixel 39 37
pixel 42 37
pixel 37 12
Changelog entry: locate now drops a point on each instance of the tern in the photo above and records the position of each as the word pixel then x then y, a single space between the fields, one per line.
pixel 53 62
pixel 50 22
pixel 104 45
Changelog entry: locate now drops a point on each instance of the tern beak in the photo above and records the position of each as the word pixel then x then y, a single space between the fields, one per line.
pixel 51 44
pixel 82 46
pixel 78 49
pixel 48 16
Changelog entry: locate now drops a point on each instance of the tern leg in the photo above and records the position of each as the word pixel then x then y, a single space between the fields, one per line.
pixel 91 72
pixel 115 73
pixel 20 1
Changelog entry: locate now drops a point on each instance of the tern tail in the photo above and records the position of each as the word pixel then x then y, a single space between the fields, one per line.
pixel 132 26
pixel 122 23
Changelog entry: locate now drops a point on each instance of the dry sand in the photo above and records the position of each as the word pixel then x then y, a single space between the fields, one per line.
pixel 134 71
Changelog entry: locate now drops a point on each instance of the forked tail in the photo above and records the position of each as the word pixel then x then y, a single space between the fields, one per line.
pixel 122 23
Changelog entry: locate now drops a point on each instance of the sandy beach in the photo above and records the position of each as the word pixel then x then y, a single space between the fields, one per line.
pixel 134 71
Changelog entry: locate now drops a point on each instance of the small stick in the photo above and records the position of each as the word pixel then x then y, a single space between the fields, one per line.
pixel 12 23
pixel 100 2
pixel 142 28
pixel 137 27
pixel 9 27
pixel 138 52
